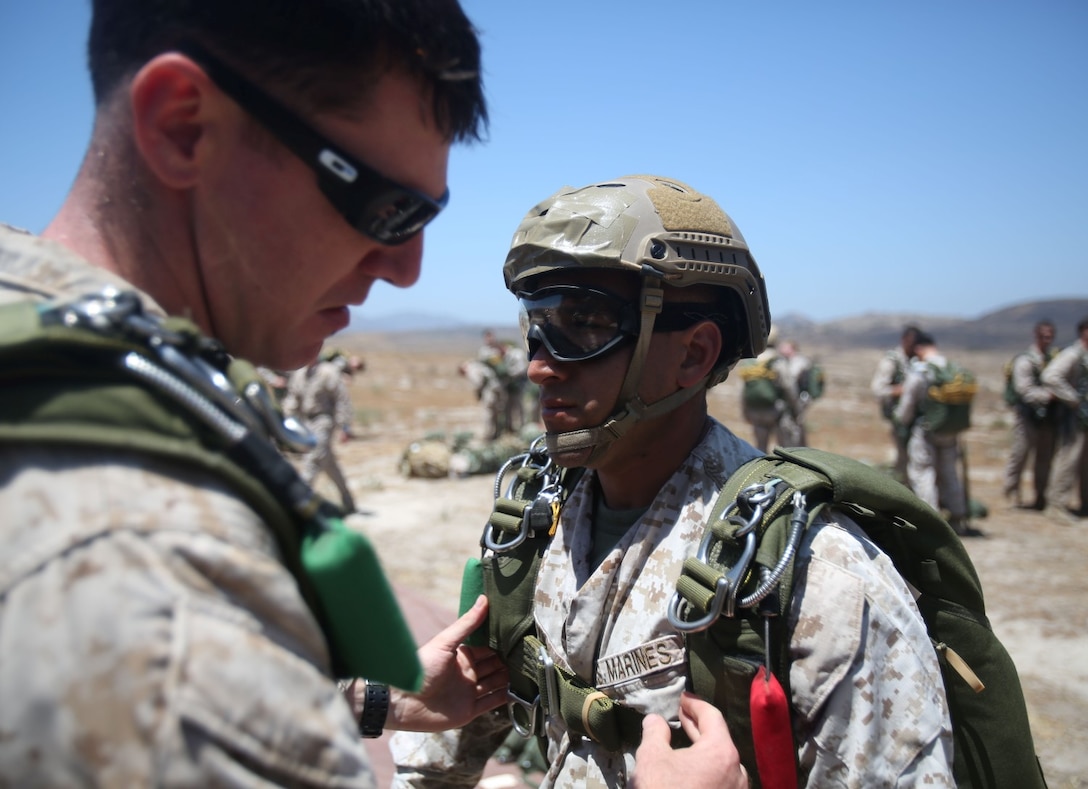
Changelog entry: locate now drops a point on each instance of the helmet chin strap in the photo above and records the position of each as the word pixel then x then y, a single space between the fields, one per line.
pixel 632 408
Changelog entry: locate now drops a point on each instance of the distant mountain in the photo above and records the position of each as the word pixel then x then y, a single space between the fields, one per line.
pixel 1008 327
pixel 1005 328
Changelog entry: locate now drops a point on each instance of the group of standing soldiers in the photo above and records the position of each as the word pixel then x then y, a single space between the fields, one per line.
pixel 928 451
pixel 1047 392
pixel 778 387
pixel 498 377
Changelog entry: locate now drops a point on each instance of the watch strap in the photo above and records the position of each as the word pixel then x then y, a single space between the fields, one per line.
pixel 375 710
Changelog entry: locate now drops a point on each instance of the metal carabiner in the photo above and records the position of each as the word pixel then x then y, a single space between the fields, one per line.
pixel 530 709
pixel 540 513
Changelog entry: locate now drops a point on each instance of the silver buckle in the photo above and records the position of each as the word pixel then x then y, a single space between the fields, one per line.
pixel 515 704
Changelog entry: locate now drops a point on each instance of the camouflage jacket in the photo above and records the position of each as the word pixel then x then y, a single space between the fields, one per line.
pixel 867 696
pixel 149 635
pixel 319 393
pixel 1027 370
pixel 1067 375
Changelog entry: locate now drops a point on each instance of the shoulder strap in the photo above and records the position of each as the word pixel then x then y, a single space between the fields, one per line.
pixel 98 372
pixel 993 743
pixel 515 539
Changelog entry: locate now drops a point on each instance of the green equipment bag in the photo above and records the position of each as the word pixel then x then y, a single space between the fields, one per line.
pixel 947 405
pixel 812 382
pixel 98 372
pixel 1011 396
pixel 761 387
pixel 730 638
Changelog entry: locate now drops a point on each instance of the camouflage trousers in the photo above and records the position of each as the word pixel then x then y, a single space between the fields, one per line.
pixel 932 468
pixel 1070 475
pixel 1033 439
pixel 322 459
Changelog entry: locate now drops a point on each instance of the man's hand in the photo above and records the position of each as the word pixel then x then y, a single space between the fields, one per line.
pixel 712 761
pixel 459 682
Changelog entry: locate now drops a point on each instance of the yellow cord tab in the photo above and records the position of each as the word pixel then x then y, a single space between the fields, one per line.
pixel 961 667
pixel 586 705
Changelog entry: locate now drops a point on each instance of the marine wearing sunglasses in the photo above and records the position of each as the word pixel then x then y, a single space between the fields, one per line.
pixel 575 322
pixel 377 206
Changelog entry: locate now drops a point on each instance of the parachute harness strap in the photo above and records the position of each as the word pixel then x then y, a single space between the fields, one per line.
pixel 178 362
pixel 516 518
pixel 712 580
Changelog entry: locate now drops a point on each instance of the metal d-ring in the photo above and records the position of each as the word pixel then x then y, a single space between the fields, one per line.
pixel 514 702
pixel 725 593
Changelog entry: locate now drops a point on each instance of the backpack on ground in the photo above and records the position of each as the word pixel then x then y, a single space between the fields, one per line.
pixel 761 385
pixel 946 408
pixel 732 602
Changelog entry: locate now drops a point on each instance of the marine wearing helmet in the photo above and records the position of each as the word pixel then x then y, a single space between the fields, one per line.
pixel 690 261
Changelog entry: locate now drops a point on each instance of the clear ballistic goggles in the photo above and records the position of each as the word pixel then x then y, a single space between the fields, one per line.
pixel 373 204
pixel 575 322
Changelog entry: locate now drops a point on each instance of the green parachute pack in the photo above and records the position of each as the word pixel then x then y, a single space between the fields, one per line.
pixel 946 408
pixel 99 372
pixel 732 600
pixel 761 387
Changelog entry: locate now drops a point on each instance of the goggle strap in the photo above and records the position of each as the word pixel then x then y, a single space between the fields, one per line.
pixel 652 298
pixel 598 438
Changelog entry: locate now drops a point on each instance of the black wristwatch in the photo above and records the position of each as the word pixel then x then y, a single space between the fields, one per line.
pixel 375 709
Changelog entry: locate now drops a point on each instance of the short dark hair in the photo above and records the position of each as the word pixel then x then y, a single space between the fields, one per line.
pixel 324 54
pixel 924 338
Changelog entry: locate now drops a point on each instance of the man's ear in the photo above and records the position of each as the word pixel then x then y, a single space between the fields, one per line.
pixel 171 100
pixel 703 345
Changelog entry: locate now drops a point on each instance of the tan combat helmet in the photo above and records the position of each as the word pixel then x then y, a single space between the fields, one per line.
pixel 666 232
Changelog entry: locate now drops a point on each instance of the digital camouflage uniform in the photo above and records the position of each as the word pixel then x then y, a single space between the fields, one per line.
pixel 867 696
pixel 932 458
pixel 891 370
pixel 792 427
pixel 149 635
pixel 1067 377
pixel 497 375
pixel 775 425
pixel 1034 426
pixel 318 395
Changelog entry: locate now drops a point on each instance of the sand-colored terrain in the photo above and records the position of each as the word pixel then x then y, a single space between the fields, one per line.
pixel 1035 572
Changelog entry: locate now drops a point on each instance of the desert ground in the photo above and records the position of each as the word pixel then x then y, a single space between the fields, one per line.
pixel 1034 572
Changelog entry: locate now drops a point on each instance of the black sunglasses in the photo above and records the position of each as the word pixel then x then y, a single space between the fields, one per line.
pixel 379 207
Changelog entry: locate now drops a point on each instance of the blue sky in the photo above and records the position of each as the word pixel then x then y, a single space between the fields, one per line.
pixel 925 157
